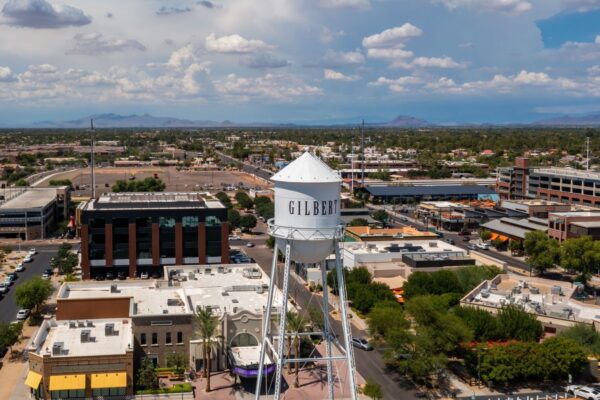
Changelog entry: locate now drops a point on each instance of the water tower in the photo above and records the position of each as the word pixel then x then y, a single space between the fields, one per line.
pixel 306 229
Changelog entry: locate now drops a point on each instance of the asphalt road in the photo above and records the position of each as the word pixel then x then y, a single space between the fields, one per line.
pixel 369 364
pixel 41 261
pixel 261 173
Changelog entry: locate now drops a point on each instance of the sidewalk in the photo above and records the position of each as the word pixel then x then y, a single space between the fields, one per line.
pixel 14 370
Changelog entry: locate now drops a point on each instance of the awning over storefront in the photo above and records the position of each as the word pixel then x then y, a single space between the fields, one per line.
pixel 67 382
pixel 498 236
pixel 110 380
pixel 33 379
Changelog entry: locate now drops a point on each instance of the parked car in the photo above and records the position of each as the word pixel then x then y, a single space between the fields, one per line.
pixel 585 392
pixel 28 259
pixel 47 273
pixel 110 276
pixel 32 251
pixel 464 233
pixel 144 275
pixel 471 246
pixel 3 287
pixel 449 241
pixel 403 219
pixel 234 237
pixel 483 246
pixel 8 281
pixel 121 276
pixel 249 244
pixel 20 267
pixel 22 314
pixel 13 276
pixel 466 238
pixel 361 343
pixel 156 275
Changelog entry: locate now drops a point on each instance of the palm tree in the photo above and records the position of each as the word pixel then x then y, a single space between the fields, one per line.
pixel 294 325
pixel 206 326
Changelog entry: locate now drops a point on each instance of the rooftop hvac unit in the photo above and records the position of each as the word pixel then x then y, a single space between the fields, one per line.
pixel 85 335
pixel 89 323
pixel 556 290
pixel 259 290
pixel 165 311
pixel 72 324
pixel 220 270
pixel 109 329
pixel 534 290
pixel 80 324
pixel 113 288
pixel 57 348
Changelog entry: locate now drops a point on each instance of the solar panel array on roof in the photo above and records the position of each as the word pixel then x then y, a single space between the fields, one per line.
pixel 442 190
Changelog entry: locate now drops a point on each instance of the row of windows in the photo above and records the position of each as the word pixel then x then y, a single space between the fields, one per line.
pixel 154 338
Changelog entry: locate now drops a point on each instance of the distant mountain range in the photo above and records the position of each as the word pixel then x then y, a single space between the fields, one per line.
pixel 111 120
pixel 571 120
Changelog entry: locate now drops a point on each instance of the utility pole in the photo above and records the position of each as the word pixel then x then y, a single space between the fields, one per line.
pixel 92 159
pixel 587 158
pixel 362 151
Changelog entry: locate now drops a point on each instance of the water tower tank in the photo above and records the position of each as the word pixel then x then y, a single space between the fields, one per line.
pixel 307 208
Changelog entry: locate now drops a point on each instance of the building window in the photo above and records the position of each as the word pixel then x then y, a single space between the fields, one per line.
pixel 190 221
pixel 244 340
pixel 108 392
pixel 179 337
pixel 168 338
pixel 155 339
pixel 143 339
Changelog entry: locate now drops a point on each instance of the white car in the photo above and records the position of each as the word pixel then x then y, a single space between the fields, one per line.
pixel 3 287
pixel 20 267
pixel 234 237
pixel 585 392
pixel 144 275
pixel 28 259
pixel 483 246
pixel 22 314
pixel 32 252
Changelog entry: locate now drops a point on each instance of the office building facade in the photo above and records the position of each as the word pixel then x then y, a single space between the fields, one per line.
pixel 136 233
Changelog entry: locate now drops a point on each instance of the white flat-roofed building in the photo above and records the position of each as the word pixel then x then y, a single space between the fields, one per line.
pixel 402 258
pixel 556 304
pixel 82 359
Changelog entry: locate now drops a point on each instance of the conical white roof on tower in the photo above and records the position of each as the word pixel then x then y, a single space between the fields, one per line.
pixel 308 168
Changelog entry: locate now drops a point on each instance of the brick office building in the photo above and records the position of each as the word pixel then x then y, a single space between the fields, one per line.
pixel 132 233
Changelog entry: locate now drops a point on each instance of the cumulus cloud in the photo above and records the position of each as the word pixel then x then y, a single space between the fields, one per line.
pixel 332 75
pixel 172 10
pixel 336 59
pixel 595 70
pixel 430 62
pixel 235 44
pixel 6 74
pixel 281 87
pixel 510 7
pixel 42 14
pixel 207 4
pixel 389 53
pixel 576 51
pixel 95 43
pixel 393 37
pixel 396 85
pixel 354 4
pixel 582 5
pixel 182 57
pixel 263 61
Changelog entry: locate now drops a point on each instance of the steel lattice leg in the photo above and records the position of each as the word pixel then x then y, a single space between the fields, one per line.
pixel 267 323
pixel 345 322
pixel 282 320
pixel 326 328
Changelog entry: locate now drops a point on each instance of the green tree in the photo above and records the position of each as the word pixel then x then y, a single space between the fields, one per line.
pixel 146 376
pixel 294 325
pixel 64 250
pixel 248 222
pixel 67 264
pixel 206 327
pixel 33 293
pixel 21 182
pixel 381 216
pixel 224 198
pixel 561 357
pixel 372 390
pixel 176 361
pixel 234 218
pixel 244 200
pixel 385 316
pixel 485 234
pixel 581 254
pixel 10 334
pixel 358 222
pixel 542 251
pixel 483 324
pixel 514 323
pixel 584 335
